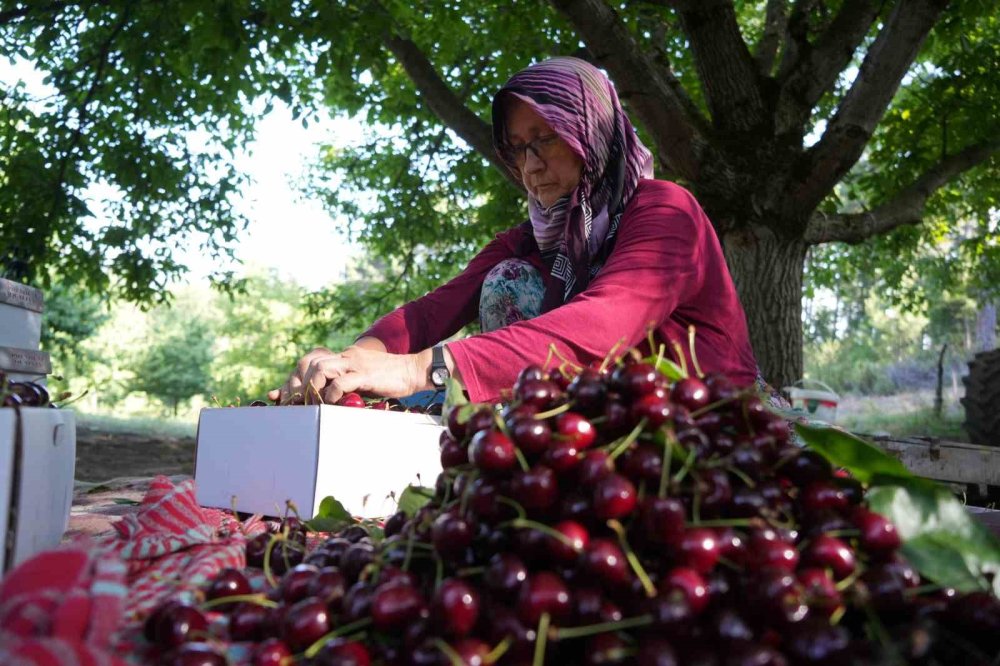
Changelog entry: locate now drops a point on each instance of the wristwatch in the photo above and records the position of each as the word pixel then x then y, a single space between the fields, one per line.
pixel 439 369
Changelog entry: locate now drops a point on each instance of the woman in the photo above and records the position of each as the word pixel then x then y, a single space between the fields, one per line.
pixel 607 253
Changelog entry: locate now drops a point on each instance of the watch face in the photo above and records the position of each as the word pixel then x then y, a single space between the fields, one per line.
pixel 439 376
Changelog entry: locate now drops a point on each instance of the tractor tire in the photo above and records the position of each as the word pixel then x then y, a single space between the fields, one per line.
pixel 982 399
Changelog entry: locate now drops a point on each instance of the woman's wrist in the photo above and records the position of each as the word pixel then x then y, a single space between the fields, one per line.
pixel 420 371
pixel 369 342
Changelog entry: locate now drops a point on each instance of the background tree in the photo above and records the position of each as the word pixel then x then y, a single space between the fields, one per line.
pixel 175 367
pixel 761 108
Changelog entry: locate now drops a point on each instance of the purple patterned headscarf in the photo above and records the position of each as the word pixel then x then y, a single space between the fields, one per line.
pixel 580 104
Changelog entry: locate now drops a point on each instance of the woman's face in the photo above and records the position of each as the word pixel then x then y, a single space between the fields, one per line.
pixel 548 166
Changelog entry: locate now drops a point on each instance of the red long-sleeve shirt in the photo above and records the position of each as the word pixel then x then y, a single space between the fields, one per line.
pixel 667 270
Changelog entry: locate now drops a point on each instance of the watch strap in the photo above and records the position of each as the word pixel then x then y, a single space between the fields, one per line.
pixel 438 366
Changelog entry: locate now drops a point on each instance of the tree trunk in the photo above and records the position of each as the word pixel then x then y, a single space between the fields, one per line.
pixel 986 327
pixel 767 271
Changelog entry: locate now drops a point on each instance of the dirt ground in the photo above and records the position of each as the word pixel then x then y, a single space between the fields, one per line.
pixel 102 455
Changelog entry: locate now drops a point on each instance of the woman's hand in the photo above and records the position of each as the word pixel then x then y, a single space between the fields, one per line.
pixel 325 376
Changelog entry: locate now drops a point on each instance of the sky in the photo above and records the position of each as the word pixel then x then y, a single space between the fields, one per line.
pixel 285 231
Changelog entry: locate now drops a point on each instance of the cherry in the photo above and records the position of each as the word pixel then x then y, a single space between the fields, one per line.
pixel 492 452
pixel 483 502
pixel 588 392
pixel 690 583
pixel 636 379
pixel 594 465
pixel 295 584
pixel 617 418
pixel 716 492
pixel 530 434
pixel 656 652
pixel 820 591
pixel 356 557
pixel 255 550
pixel 822 495
pixel 816 641
pixel 305 623
pixel 728 625
pixel 544 592
pixel 878 535
pixel 196 654
pixel 151 623
pixel 351 400
pixel 562 457
pixel 826 551
pixel 656 409
pixel 698 549
pixel 536 488
pixel 720 387
pixel 395 605
pixel 328 585
pixel 541 393
pixel 805 468
pixel 775 597
pixel 451 534
pixel 504 575
pixel 179 624
pixel 578 538
pixel 604 560
pixel 455 609
pixel 272 652
pixel 575 429
pixel 643 463
pixel 747 502
pixel 768 551
pixel 343 652
pixel 614 497
pixel 662 519
pixel 690 392
pixel 606 648
pixel 471 651
pixel 247 622
pixel 672 614
pixel 529 373
pixel 453 453
pixel 754 654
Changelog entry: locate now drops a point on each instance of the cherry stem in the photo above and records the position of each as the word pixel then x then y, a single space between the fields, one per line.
pixel 680 357
pixel 521 513
pixel 555 411
pixel 735 471
pixel 499 651
pixel 712 406
pixel 837 615
pixel 694 356
pixel 540 637
pixel 448 651
pixel 258 599
pixel 553 350
pixel 628 441
pixel 726 522
pixel 668 453
pixel 610 355
pixel 525 523
pixel 600 628
pixel 521 460
pixel 686 467
pixel 849 581
pixel 633 561
pixel 470 571
pixel 268 576
pixel 349 628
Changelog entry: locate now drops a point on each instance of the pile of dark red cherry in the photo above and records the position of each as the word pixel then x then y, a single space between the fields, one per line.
pixel 607 518
pixel 353 399
pixel 23 394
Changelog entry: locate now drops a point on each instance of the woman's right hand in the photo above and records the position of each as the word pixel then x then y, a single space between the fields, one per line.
pixel 296 392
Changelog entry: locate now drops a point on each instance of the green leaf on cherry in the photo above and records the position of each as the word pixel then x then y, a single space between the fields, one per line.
pixel 857 456
pixel 666 367
pixel 332 516
pixel 940 537
pixel 414 497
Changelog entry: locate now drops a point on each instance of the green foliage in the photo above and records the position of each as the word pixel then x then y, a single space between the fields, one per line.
pixel 71 315
pixel 940 538
pixel 175 367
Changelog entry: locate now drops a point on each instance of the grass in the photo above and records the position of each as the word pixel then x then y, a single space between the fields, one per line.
pixel 903 415
pixel 139 425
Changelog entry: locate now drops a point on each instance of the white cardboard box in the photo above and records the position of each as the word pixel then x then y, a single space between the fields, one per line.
pixel 34 513
pixel 25 364
pixel 264 456
pixel 21 309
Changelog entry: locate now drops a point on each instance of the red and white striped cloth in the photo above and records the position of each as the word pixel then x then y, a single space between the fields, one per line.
pixel 75 604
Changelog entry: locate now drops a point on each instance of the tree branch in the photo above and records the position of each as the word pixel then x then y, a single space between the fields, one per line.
pixel 444 103
pixel 817 66
pixel 727 70
pixel 775 24
pixel 849 131
pixel 653 92
pixel 907 207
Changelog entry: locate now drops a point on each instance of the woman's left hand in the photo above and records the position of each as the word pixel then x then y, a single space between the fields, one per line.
pixel 367 371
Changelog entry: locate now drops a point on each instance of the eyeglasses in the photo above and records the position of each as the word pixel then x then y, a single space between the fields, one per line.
pixel 543 148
